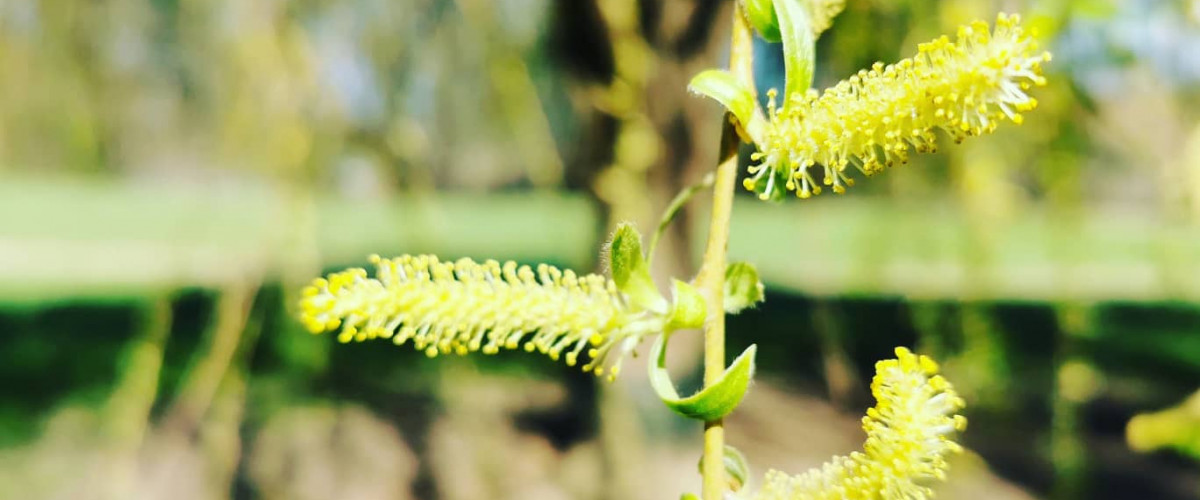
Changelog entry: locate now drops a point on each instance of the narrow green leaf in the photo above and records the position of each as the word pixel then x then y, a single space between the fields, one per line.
pixel 714 401
pixel 761 14
pixel 726 89
pixel 677 204
pixel 796 29
pixel 630 271
pixel 743 288
pixel 688 309
pixel 689 496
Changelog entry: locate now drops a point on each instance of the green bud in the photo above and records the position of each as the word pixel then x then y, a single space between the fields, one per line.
pixel 737 469
pixel 630 272
pixel 743 289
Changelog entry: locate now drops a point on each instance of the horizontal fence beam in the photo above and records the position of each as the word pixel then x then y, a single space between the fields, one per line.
pixel 77 240
pixel 72 240
pixel 933 251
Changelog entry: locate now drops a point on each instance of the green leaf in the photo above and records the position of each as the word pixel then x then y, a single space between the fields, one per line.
pixel 726 89
pixel 761 14
pixel 796 30
pixel 677 203
pixel 630 271
pixel 743 288
pixel 712 402
pixel 688 309
pixel 689 496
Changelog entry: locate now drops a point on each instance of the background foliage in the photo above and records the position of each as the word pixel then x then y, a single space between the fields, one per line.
pixel 172 170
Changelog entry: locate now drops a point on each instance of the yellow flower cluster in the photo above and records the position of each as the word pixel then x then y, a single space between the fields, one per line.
pixel 1177 428
pixel 463 306
pixel 907 440
pixel 873 120
pixel 822 12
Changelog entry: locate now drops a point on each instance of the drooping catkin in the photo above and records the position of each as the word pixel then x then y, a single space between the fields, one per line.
pixel 463 306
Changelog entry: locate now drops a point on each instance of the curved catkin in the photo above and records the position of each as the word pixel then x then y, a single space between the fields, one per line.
pixel 876 118
pixel 908 439
pixel 822 12
pixel 463 306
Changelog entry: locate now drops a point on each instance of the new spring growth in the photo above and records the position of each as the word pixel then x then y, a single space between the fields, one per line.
pixel 873 120
pixel 463 306
pixel 762 16
pixel 908 439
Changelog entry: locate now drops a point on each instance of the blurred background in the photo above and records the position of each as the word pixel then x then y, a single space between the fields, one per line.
pixel 173 171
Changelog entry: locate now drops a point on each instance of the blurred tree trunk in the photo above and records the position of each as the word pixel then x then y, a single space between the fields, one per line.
pixel 645 139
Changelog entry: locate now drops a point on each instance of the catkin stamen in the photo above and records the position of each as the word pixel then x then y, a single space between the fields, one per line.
pixel 462 306
pixel 873 119
pixel 908 438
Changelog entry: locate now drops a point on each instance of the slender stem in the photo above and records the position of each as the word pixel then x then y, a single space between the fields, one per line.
pixel 711 279
pixel 713 284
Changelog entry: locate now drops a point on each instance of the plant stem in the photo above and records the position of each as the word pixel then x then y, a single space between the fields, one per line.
pixel 711 279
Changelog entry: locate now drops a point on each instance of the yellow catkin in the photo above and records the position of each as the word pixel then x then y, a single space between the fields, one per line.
pixel 463 306
pixel 908 438
pixel 1177 428
pixel 873 120
pixel 822 12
